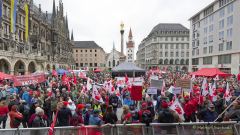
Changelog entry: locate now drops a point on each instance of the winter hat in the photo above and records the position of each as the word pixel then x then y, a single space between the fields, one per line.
pixel 164 104
pixel 65 103
pixel 80 106
pixel 39 110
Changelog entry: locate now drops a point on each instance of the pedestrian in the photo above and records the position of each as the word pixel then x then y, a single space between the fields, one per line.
pixel 39 120
pixel 3 112
pixel 95 118
pixel 209 114
pixel 145 115
pixel 64 115
pixel 110 117
pixel 113 100
pixel 165 115
pixel 24 109
pixel 126 117
pixel 77 117
pixel 15 117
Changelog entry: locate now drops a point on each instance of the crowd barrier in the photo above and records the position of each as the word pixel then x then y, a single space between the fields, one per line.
pixel 226 128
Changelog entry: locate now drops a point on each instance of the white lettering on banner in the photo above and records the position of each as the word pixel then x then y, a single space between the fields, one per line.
pixel 152 91
pixel 130 79
pixel 154 77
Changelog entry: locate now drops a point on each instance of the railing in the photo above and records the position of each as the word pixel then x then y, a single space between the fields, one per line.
pixel 226 128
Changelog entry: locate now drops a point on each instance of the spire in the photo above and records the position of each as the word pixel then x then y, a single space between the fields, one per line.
pixel 66 22
pixel 72 36
pixel 130 34
pixel 54 10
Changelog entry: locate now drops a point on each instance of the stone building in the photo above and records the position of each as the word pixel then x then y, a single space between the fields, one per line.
pixel 166 47
pixel 88 54
pixel 49 45
pixel 214 36
pixel 130 48
pixel 113 58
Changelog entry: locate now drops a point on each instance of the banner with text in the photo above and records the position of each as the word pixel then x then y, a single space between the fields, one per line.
pixel 24 80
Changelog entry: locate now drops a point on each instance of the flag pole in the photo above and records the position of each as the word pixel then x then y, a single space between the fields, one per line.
pixel 226 109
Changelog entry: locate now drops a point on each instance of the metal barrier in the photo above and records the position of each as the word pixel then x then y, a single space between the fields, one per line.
pixel 225 128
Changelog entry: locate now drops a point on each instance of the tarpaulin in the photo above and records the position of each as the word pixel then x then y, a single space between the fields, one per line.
pixel 24 80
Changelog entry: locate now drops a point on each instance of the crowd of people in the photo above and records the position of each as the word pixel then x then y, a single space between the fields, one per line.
pixel 37 105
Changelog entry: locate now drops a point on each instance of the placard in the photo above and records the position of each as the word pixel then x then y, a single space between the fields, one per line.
pixel 152 91
pixel 25 80
pixel 185 84
pixel 156 84
pixel 177 90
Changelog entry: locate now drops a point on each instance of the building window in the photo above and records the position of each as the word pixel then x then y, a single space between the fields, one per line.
pixel 90 64
pixel 177 46
pixel 109 64
pixel 224 59
pixel 229 20
pixel 182 54
pixel 193 52
pixel 207 60
pixel 229 45
pixel 171 38
pixel 229 33
pixel 187 46
pixel 86 64
pixel 177 55
pixel 182 46
pixel 221 13
pixel 166 46
pixel 166 38
pixel 95 64
pixel 81 50
pixel 95 55
pixel 172 46
pixel 176 38
pixel 211 28
pixel 85 50
pixel 161 54
pixel 81 64
pixel 76 64
pixel 182 38
pixel 172 54
pixel 197 51
pixel 210 39
pixel 90 50
pixel 76 50
pixel 210 49
pixel 221 24
pixel 221 35
pixel 95 50
pixel 187 54
pixel 230 8
pixel 205 50
pixel 160 46
pixel 205 30
pixel 166 54
pixel 211 18
pixel 195 61
pixel 220 47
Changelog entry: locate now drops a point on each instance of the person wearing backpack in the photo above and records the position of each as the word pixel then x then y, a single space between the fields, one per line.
pixel 24 109
pixel 165 115
pixel 145 115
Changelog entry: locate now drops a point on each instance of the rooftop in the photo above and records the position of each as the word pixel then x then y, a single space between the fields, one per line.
pixel 86 44
pixel 169 27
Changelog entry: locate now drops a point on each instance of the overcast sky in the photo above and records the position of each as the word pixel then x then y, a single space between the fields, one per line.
pixel 99 20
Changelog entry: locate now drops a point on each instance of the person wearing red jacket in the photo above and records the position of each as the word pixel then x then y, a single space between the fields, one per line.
pixel 3 112
pixel 189 109
pixel 15 117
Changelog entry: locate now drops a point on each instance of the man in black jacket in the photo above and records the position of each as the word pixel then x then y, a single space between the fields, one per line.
pixel 113 100
pixel 64 115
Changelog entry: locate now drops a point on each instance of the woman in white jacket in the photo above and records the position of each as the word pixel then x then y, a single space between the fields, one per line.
pixel 71 106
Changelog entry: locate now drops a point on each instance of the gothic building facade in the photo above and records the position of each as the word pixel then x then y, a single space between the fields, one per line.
pixel 49 45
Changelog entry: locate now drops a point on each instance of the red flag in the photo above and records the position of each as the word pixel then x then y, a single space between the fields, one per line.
pixel 126 78
pixel 54 73
pixel 51 129
pixel 64 77
pixel 74 79
pixel 136 93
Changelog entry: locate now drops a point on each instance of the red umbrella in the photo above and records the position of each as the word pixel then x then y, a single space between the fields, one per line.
pixel 5 76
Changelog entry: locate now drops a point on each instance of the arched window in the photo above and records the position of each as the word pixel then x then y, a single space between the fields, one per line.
pixel 109 64
pixel 161 61
pixel 182 62
pixel 177 61
pixel 166 61
pixel 171 62
pixel 187 61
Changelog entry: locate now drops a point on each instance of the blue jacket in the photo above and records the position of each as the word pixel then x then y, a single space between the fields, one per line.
pixel 127 102
pixel 95 120
pixel 26 97
pixel 13 90
pixel 208 116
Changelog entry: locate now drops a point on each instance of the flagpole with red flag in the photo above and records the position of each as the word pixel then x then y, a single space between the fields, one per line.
pixel 51 129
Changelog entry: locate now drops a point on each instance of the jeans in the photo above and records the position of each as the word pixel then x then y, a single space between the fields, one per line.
pixel 3 120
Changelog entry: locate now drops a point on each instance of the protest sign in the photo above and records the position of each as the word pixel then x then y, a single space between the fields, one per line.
pixel 185 84
pixel 177 90
pixel 156 84
pixel 152 91
pixel 24 80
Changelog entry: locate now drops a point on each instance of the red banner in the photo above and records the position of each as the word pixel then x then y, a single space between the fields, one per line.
pixel 24 80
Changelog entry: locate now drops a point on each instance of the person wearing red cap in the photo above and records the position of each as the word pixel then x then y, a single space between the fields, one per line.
pixel 77 118
pixel 145 115
pixel 64 115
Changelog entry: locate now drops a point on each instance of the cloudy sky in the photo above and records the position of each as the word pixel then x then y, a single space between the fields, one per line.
pixel 99 20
